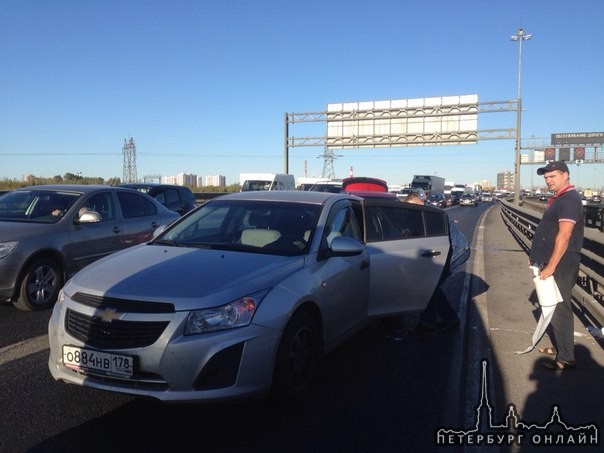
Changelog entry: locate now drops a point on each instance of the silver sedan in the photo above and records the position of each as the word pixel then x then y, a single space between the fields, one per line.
pixel 244 295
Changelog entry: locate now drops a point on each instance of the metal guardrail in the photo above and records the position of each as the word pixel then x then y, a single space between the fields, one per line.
pixel 588 293
pixel 594 216
pixel 594 213
pixel 202 197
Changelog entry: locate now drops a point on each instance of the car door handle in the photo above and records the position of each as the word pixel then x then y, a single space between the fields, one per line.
pixel 117 229
pixel 364 264
pixel 431 253
pixel 154 224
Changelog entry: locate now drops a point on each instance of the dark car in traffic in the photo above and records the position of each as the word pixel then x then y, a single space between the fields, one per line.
pixel 437 199
pixel 174 197
pixel 456 197
pixel 48 233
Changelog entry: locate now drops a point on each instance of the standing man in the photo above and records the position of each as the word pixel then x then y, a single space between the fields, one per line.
pixel 556 250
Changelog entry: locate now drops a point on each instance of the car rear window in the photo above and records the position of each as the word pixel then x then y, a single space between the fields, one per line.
pixel 436 223
pixel 391 223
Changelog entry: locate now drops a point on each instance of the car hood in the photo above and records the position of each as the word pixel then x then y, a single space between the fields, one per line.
pixel 12 231
pixel 189 278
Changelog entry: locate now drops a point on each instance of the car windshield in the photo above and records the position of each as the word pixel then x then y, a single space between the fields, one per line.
pixel 40 206
pixel 326 187
pixel 256 226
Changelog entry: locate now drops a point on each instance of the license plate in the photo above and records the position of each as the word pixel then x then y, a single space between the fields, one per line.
pixel 89 360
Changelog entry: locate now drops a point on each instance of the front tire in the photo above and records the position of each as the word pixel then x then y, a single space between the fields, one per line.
pixel 297 359
pixel 40 285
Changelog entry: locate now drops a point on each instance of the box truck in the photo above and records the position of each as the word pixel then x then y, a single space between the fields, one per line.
pixel 430 184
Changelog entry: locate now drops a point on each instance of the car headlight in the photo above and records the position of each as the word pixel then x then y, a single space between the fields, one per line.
pixel 60 297
pixel 238 313
pixel 7 247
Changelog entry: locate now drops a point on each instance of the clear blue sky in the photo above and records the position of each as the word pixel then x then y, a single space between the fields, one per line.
pixel 202 86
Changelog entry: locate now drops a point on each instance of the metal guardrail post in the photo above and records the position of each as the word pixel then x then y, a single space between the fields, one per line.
pixel 594 217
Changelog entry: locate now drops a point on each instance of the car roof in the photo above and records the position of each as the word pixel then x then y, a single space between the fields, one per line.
pixel 80 188
pixel 363 183
pixel 299 196
pixel 372 194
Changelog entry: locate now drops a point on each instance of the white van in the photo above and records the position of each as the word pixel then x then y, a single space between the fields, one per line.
pixel 266 181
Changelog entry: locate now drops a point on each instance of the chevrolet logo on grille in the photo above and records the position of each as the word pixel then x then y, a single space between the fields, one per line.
pixel 109 314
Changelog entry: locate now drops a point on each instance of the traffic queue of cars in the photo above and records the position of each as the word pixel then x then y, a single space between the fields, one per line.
pixel 245 294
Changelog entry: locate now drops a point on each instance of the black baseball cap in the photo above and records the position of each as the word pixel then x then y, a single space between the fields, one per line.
pixel 556 165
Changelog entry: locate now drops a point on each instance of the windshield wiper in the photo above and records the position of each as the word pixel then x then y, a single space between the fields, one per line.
pixel 167 242
pixel 214 245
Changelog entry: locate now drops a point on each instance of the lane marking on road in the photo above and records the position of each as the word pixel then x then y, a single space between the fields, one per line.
pixel 22 349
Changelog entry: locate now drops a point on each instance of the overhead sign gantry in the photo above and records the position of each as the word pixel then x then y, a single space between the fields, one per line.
pixel 434 121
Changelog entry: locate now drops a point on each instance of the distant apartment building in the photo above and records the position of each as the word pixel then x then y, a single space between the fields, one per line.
pixel 215 180
pixel 168 180
pixel 186 179
pixel 486 185
pixel 505 181
pixel 181 179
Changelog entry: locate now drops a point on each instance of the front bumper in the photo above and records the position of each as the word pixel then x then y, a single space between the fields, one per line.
pixel 9 270
pixel 216 366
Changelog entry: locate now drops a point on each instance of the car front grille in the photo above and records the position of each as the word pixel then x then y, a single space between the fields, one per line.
pixel 115 334
pixel 123 305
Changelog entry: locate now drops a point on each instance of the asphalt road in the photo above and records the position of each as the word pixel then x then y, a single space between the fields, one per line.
pixel 385 390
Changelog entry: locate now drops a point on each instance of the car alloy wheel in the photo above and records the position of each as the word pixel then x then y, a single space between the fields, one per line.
pixel 40 285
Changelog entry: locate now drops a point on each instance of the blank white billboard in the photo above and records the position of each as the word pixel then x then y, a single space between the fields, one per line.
pixel 447 120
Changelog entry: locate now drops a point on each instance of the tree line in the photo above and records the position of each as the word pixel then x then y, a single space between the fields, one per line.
pixel 70 178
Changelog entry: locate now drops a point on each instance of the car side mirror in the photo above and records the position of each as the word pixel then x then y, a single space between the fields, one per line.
pixel 159 230
pixel 90 217
pixel 345 246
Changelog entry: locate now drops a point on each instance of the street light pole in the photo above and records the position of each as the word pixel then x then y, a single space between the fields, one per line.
pixel 520 36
